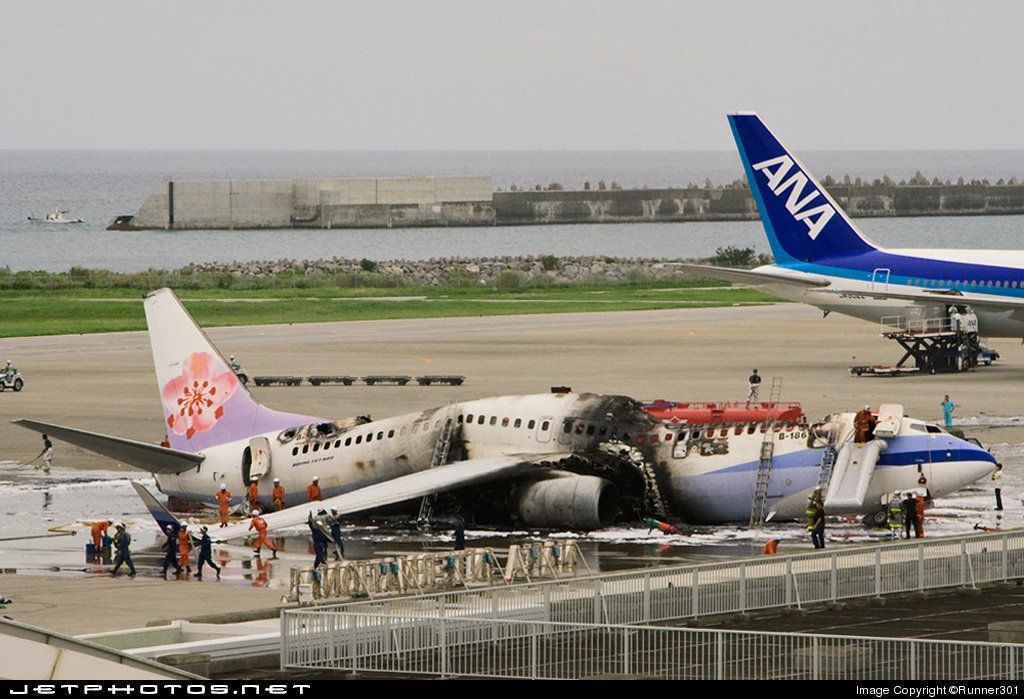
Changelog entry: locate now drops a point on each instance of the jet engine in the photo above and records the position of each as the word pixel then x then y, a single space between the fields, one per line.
pixel 568 501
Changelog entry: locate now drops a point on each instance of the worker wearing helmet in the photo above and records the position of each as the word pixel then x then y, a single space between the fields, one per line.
pixel 864 425
pixel 277 495
pixel 260 525
pixel 184 548
pixel 123 542
pixel 235 366
pixel 223 497
pixel 170 547
pixel 205 553
pixel 98 531
pixel 313 491
pixel 253 495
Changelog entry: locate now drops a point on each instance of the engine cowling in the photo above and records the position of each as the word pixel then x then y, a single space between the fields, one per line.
pixel 568 501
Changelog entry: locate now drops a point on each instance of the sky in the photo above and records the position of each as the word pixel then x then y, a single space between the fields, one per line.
pixel 514 74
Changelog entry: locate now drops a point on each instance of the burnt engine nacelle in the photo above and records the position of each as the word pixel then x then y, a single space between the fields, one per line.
pixel 568 501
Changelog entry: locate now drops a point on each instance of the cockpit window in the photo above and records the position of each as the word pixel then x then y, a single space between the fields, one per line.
pixel 934 429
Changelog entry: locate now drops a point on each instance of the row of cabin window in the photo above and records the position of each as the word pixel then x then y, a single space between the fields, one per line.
pixel 505 422
pixel 358 439
pixel 481 419
pixel 684 435
pixel 961 284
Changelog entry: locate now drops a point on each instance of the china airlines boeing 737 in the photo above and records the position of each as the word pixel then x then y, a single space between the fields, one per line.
pixel 822 259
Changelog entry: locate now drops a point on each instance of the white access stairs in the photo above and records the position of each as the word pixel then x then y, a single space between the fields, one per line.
pixel 851 474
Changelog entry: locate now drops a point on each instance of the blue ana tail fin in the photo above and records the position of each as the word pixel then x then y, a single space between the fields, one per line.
pixel 803 223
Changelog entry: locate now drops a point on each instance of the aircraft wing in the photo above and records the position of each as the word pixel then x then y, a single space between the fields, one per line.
pixel 754 277
pixel 952 296
pixel 415 485
pixel 148 457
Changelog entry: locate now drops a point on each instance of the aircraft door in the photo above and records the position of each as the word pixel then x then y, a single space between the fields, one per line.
pixel 544 427
pixel 880 279
pixel 260 449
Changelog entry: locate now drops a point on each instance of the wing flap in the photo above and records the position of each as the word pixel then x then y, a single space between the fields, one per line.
pixel 148 457
pixel 460 474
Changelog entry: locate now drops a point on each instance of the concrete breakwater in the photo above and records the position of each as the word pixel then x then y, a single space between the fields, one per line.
pixel 478 271
pixel 471 201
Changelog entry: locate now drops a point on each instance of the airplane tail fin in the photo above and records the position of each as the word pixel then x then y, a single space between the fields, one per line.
pixel 204 402
pixel 802 221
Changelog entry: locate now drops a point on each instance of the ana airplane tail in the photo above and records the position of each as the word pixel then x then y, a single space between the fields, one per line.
pixel 803 223
pixel 204 403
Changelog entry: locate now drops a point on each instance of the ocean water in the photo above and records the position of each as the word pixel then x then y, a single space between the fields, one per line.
pixel 98 185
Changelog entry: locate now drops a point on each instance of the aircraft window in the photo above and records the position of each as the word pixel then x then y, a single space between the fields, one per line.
pixel 327 445
pixel 579 428
pixel 316 446
pixel 337 444
pixel 415 427
pixel 504 422
pixel 380 435
pixel 305 448
pixel 640 438
pixel 738 430
pixel 369 437
pixel 567 426
pixel 723 432
pixel 668 436
pixel 480 420
pixel 683 435
pixel 494 420
pixel 544 426
pixel 590 429
pixel 295 451
pixel 437 425
pixel 402 431
pixel 459 419
pixel 764 428
pixel 531 424
pixel 518 422
pixel 359 439
pixel 919 428
pixel 391 433
pixel 934 429
pixel 710 434
pixel 469 418
pixel 750 428
pixel 348 441
pixel 1014 284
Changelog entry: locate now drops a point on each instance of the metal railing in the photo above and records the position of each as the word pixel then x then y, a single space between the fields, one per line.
pixel 676 592
pixel 509 648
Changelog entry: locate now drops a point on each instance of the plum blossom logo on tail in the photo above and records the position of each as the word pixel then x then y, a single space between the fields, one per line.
pixel 194 400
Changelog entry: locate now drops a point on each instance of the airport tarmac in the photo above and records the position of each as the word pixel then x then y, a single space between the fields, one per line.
pixel 106 383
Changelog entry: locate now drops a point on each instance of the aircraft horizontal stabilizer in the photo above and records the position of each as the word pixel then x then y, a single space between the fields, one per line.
pixel 148 457
pixel 752 277
pixel 460 474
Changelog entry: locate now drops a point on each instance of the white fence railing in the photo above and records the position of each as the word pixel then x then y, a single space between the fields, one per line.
pixel 675 592
pixel 508 648
pixel 577 623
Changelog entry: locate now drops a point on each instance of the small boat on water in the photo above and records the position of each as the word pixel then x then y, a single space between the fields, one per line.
pixel 56 216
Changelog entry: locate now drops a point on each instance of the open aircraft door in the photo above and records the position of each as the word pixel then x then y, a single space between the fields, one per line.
pixel 260 449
